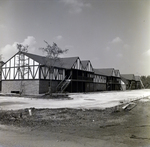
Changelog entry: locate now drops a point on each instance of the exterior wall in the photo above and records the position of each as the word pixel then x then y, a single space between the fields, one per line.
pixel 117 87
pixel 30 86
pixel 99 82
pixel 84 81
pixel 113 83
pixel 99 86
pixel 89 87
pixel 20 67
pixel 44 86
pixel 51 73
pixel 130 85
pixel 99 79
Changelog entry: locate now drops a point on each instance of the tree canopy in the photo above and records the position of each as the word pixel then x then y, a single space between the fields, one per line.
pixel 53 51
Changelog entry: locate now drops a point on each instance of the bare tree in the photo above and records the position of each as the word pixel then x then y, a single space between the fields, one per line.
pixel 22 65
pixel 52 55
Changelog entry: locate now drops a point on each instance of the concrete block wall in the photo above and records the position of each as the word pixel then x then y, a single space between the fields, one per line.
pixel 41 86
pixel 44 86
pixel 29 86
pixel 99 86
pixel 89 87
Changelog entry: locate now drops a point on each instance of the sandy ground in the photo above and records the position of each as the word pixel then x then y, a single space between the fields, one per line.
pixel 67 127
pixel 97 100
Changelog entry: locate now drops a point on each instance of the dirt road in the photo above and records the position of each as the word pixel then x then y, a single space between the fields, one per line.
pixel 77 127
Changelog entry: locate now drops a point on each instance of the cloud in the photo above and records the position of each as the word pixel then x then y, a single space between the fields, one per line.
pixel 30 40
pixel 59 37
pixel 9 50
pixel 76 6
pixel 147 53
pixel 117 44
pixel 117 40
pixel 117 48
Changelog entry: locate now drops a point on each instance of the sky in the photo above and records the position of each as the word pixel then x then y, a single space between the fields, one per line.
pixel 109 33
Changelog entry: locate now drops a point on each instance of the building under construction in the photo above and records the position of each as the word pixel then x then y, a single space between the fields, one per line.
pixel 34 74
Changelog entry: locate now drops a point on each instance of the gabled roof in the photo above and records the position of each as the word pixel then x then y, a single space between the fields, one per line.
pixel 98 71
pixel 137 78
pixel 84 63
pixel 61 62
pixel 104 71
pixel 128 76
pixel 67 62
pixel 124 80
pixel 117 73
pixel 37 58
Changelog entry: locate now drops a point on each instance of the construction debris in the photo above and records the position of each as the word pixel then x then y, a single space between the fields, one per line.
pixel 129 106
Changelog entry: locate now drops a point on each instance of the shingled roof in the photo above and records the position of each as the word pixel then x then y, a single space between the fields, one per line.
pixel 104 71
pixel 128 76
pixel 37 58
pixel 61 62
pixel 67 62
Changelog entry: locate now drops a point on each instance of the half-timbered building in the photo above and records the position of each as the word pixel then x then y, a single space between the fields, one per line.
pixel 100 81
pixel 129 80
pixel 30 73
pixel 34 74
pixel 113 79
pixel 81 76
pixel 132 81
